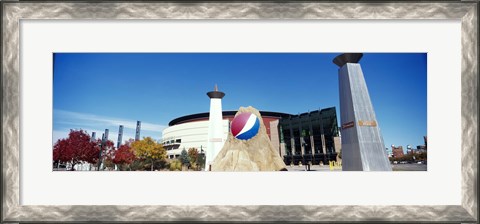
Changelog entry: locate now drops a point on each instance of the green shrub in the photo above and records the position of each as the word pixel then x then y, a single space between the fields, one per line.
pixel 175 165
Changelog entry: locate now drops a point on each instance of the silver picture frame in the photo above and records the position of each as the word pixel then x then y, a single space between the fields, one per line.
pixel 13 12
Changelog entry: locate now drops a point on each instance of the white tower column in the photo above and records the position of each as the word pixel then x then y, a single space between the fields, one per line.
pixel 215 129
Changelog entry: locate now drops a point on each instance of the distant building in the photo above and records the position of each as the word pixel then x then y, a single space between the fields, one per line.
pixel 389 153
pixel 397 151
pixel 421 148
pixel 410 150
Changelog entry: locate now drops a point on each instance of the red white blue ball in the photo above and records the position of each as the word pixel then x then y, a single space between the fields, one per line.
pixel 245 126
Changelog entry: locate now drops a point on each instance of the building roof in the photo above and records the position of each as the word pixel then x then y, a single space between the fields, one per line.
pixel 232 113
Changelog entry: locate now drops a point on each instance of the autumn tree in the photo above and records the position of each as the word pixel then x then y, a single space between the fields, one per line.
pixel 193 157
pixel 124 156
pixel 108 156
pixel 422 156
pixel 76 148
pixel 149 150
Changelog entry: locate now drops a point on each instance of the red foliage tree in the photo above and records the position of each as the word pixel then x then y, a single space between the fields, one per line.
pixel 75 149
pixel 124 155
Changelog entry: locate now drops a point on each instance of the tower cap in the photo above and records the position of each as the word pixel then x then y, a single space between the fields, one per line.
pixel 215 93
pixel 345 58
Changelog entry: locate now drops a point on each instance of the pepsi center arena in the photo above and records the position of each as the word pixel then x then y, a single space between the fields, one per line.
pixel 311 137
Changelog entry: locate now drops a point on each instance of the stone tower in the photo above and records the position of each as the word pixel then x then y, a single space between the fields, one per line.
pixel 362 143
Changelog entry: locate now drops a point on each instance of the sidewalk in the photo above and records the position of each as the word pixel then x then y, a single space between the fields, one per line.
pixel 313 168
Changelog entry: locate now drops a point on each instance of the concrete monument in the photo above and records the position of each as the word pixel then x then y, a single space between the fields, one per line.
pixel 363 148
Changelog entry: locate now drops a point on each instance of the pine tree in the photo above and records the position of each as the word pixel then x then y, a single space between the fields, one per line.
pixel 184 157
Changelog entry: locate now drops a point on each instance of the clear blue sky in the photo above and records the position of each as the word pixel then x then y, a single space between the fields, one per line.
pixel 94 91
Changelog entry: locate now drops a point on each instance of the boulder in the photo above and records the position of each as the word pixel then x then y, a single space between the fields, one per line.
pixel 255 154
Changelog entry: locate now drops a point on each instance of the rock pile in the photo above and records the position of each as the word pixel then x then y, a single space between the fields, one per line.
pixel 255 154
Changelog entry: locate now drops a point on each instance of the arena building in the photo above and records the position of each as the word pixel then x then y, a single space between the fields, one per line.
pixel 311 137
pixel 191 131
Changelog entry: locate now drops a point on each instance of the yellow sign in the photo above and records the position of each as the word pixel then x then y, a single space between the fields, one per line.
pixel 334 164
pixel 367 123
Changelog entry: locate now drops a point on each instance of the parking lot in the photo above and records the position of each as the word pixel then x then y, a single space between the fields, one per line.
pixel 409 167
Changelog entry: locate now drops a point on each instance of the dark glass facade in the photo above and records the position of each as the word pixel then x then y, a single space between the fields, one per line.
pixel 309 137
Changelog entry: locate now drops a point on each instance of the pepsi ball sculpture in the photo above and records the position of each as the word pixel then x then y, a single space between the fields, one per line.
pixel 245 126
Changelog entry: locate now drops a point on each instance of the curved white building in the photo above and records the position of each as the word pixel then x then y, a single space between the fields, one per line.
pixel 189 135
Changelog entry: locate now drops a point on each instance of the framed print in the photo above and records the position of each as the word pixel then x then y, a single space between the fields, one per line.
pixel 50 46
